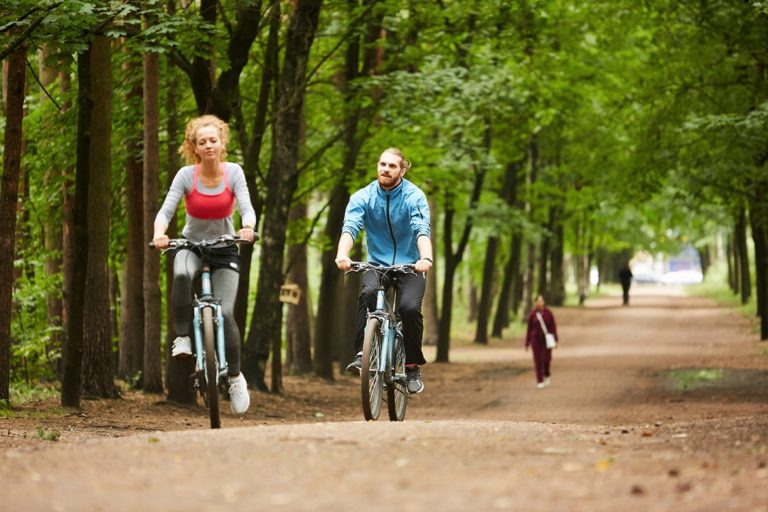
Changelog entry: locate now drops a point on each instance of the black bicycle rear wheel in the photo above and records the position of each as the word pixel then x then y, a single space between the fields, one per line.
pixel 372 380
pixel 211 368
pixel 397 395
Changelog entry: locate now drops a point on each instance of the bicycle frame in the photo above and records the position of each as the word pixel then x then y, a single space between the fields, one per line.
pixel 385 314
pixel 206 300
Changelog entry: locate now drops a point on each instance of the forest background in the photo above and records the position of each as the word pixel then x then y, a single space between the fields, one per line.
pixel 550 136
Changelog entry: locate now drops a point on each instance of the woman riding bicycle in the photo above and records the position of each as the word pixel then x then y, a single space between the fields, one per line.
pixel 210 187
pixel 395 215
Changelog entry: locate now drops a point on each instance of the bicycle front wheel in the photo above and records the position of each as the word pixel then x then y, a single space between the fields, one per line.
pixel 372 379
pixel 397 396
pixel 211 368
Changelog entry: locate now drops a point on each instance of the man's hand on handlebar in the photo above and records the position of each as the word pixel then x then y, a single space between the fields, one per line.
pixel 422 265
pixel 343 262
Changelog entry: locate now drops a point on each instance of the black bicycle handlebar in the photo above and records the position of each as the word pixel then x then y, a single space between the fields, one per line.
pixel 226 240
pixel 361 266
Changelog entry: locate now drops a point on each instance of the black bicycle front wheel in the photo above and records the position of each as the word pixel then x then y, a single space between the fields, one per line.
pixel 397 395
pixel 372 379
pixel 211 368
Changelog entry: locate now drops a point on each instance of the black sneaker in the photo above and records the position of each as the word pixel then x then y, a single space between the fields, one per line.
pixel 356 365
pixel 414 384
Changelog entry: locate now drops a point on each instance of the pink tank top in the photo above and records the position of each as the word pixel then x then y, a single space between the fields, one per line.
pixel 209 207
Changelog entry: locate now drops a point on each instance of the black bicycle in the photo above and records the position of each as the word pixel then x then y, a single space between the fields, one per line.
pixel 384 348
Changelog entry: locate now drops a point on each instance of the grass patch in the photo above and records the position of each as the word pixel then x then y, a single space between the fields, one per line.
pixel 23 393
pixel 48 435
pixel 690 379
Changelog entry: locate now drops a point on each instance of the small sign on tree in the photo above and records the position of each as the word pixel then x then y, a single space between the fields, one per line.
pixel 290 293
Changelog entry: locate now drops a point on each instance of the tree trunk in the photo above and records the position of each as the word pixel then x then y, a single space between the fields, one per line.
pixel 282 179
pixel 557 255
pixel 52 231
pixel 152 374
pixel 251 168
pixel 731 259
pixel 326 328
pixel 758 215
pixel 508 287
pixel 98 368
pixel 452 260
pixel 530 257
pixel 132 304
pixel 745 285
pixel 431 312
pixel 14 109
pixel 484 307
pixel 67 233
pixel 178 370
pixel 73 350
pixel 298 321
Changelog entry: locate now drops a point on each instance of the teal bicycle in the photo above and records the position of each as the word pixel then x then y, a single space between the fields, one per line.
pixel 210 377
pixel 383 365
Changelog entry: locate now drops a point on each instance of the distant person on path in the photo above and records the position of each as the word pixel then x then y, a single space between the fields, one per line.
pixel 395 216
pixel 541 317
pixel 625 278
pixel 210 187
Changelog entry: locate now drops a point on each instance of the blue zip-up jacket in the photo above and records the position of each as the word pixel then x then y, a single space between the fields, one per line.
pixel 393 220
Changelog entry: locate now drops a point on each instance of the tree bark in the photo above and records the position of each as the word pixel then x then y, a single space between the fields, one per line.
pixel 132 315
pixel 298 321
pixel 178 370
pixel 431 312
pixel 14 109
pixel 98 367
pixel 530 256
pixel 282 181
pixel 486 292
pixel 452 260
pixel 251 168
pixel 745 284
pixel 152 373
pixel 557 254
pixel 73 350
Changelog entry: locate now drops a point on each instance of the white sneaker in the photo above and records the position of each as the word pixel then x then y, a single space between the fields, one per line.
pixel 239 398
pixel 547 382
pixel 182 346
pixel 541 385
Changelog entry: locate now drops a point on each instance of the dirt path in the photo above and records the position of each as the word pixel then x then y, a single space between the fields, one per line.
pixel 659 406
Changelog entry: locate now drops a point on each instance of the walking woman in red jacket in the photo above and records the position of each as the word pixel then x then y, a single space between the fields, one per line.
pixel 541 322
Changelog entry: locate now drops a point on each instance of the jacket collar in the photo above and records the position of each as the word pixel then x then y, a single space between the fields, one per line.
pixel 394 191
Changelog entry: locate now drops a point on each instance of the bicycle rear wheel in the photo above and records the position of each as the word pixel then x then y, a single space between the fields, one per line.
pixel 397 396
pixel 372 380
pixel 211 368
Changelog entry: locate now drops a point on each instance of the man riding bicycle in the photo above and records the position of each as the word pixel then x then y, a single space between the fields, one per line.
pixel 395 216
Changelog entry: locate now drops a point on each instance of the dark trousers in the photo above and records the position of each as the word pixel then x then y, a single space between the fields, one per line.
pixel 625 290
pixel 410 291
pixel 542 358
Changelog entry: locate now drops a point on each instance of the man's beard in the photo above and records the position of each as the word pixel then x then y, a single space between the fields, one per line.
pixel 387 182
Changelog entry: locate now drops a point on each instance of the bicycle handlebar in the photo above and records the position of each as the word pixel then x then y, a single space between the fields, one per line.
pixel 226 240
pixel 360 266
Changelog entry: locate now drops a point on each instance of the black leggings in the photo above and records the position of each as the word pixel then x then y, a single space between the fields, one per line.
pixel 410 290
pixel 186 266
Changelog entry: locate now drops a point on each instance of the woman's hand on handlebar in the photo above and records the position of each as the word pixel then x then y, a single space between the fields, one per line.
pixel 246 234
pixel 161 242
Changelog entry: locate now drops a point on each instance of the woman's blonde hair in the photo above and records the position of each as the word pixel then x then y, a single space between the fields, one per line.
pixel 187 149
pixel 405 164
